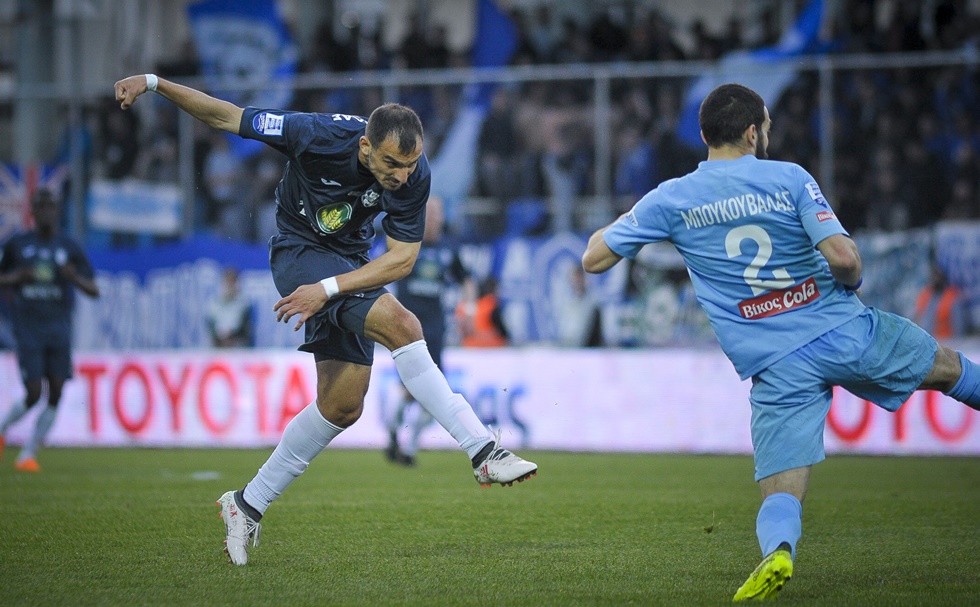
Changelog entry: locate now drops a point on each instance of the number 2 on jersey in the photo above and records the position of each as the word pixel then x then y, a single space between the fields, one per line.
pixel 733 246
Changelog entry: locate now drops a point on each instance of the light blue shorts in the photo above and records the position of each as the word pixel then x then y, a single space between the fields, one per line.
pixel 876 356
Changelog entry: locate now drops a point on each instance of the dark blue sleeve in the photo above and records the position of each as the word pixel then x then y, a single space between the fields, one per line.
pixel 80 260
pixel 289 132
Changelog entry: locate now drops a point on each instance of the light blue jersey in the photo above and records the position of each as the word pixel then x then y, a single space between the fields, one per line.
pixel 747 230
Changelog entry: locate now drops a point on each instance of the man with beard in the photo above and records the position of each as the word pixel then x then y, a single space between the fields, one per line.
pixel 777 275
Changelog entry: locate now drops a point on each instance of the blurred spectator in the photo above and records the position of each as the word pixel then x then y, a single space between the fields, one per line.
pixel 119 148
pixel 157 160
pixel 565 163
pixel 424 46
pixel 229 315
pixel 543 34
pixel 608 34
pixel 576 312
pixel 636 165
pixel 963 202
pixel 940 307
pixel 186 64
pixel 223 177
pixel 708 48
pixel 498 148
pixel 575 46
pixel 924 182
pixel 259 199
pixel 888 208
pixel 479 316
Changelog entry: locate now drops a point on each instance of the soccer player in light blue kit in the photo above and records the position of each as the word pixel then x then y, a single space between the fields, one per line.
pixel 777 275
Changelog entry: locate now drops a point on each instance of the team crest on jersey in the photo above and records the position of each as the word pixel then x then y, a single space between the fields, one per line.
pixel 370 198
pixel 332 218
pixel 265 123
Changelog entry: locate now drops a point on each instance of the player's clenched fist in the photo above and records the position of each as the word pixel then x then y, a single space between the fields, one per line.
pixel 128 89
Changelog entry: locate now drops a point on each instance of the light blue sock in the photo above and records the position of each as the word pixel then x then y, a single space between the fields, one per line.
pixel 967 388
pixel 780 520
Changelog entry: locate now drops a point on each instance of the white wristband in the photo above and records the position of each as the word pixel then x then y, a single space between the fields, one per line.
pixel 330 286
pixel 151 82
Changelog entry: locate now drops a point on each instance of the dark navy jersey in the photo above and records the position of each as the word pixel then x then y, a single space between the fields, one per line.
pixel 437 266
pixel 325 195
pixel 48 299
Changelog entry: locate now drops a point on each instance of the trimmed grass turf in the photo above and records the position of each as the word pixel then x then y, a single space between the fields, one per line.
pixel 139 526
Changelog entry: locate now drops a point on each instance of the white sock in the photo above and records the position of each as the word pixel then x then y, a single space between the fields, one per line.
pixel 41 428
pixel 428 385
pixel 303 439
pixel 16 412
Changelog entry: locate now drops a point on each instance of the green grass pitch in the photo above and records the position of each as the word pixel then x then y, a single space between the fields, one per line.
pixel 139 527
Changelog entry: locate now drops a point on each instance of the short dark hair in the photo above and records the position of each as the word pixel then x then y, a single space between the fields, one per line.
pixel 394 120
pixel 727 111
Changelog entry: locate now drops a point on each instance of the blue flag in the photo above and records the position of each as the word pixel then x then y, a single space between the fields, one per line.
pixel 245 42
pixel 767 71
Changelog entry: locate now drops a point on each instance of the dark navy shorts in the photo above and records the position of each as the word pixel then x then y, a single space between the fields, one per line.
pixel 44 352
pixel 336 332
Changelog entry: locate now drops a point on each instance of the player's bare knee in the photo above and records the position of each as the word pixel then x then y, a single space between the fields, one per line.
pixel 341 413
pixel 397 327
pixel 391 324
pixel 945 372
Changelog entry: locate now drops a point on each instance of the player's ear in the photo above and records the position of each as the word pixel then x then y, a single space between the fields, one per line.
pixel 365 144
pixel 751 135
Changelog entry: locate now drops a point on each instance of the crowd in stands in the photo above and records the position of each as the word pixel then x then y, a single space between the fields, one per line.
pixel 906 141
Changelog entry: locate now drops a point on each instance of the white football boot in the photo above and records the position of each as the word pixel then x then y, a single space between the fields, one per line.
pixel 503 467
pixel 239 529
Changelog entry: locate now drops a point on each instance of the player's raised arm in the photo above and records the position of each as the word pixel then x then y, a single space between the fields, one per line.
pixel 216 113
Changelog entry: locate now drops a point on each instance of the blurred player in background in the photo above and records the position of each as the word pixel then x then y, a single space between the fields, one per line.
pixel 229 314
pixel 481 316
pixel 437 267
pixel 42 268
pixel 777 275
pixel 342 171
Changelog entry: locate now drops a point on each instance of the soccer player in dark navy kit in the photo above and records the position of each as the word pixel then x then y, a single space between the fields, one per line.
pixel 42 268
pixel 342 171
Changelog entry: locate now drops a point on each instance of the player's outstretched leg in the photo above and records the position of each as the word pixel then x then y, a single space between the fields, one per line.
pixel 503 467
pixel 769 577
pixel 427 384
pixel 240 528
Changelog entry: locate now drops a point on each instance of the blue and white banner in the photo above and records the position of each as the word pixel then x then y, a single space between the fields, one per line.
pixel 135 206
pixel 245 42
pixel 767 71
